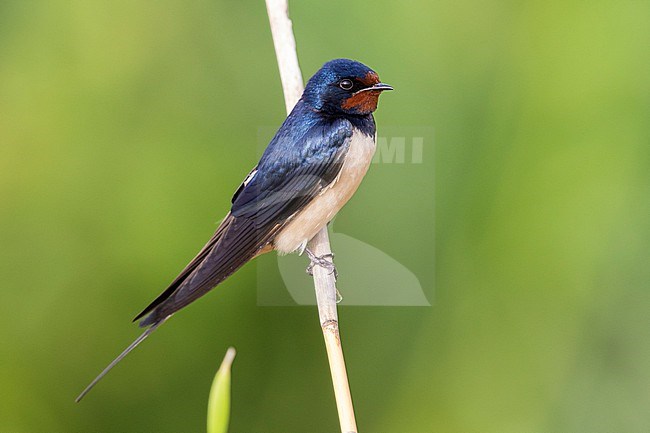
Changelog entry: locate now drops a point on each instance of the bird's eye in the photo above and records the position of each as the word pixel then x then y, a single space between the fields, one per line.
pixel 346 84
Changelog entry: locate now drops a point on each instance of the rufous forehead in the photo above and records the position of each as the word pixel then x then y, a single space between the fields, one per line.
pixel 370 79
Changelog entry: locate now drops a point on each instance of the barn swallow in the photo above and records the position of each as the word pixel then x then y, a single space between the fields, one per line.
pixel 309 170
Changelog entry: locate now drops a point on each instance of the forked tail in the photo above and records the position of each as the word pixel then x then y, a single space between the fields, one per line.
pixel 128 350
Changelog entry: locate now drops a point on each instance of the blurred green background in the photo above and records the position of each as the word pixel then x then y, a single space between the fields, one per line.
pixel 125 126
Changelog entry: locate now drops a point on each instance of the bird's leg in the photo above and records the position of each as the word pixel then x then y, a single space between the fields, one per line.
pixel 321 261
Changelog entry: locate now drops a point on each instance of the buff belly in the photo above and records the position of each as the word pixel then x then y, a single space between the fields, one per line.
pixel 306 223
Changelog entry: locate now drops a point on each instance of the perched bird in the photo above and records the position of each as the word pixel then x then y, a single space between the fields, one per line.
pixel 310 169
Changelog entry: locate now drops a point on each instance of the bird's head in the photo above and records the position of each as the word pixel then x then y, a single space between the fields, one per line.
pixel 344 86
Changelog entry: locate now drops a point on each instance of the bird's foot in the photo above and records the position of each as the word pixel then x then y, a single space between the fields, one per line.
pixel 321 261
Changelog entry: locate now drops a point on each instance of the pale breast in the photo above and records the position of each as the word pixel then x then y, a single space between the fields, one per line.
pixel 306 223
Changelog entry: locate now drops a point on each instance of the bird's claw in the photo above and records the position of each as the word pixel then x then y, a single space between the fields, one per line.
pixel 321 261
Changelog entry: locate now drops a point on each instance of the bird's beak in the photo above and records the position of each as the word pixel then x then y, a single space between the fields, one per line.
pixel 381 86
pixel 376 87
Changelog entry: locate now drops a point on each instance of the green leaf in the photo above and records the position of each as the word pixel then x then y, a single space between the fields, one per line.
pixel 219 401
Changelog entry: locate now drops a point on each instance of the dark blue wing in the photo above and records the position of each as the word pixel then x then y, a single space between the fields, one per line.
pixel 300 160
pixel 305 155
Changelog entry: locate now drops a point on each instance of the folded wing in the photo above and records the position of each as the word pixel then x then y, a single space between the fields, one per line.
pixel 298 163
